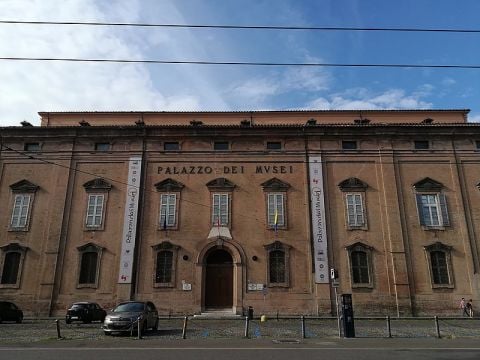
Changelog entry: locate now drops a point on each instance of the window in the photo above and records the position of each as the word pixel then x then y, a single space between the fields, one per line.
pixel 23 196
pixel 102 146
pixel 440 265
pixel 220 145
pixel 31 146
pixel 274 145
pixel 422 145
pixel 477 144
pixel 11 265
pixel 164 267
pixel 220 209
pixel 89 265
pixel 165 256
pixel 169 199
pixel 278 255
pixel 355 216
pixel 276 213
pixel 97 196
pixel 170 146
pixel 168 205
pixel 431 204
pixel 21 206
pixel 88 268
pixel 94 210
pixel 360 260
pixel 349 145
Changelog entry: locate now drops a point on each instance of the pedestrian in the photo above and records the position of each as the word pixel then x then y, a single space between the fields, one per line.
pixel 463 307
pixel 469 308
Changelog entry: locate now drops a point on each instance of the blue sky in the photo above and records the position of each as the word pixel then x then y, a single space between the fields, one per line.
pixel 29 87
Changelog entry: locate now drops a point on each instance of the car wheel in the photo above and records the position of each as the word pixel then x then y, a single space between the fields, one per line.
pixel 145 327
pixel 0 319
pixel 87 320
pixel 107 333
pixel 68 321
pixel 19 319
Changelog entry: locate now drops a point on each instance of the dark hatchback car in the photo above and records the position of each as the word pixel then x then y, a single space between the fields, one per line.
pixel 10 312
pixel 125 316
pixel 86 312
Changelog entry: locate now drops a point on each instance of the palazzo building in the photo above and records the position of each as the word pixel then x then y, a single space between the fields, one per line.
pixel 199 211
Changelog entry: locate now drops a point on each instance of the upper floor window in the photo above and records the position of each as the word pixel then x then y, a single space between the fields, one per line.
pixel 11 265
pixel 431 204
pixel 89 265
pixel 360 259
pixel 33 146
pixel 421 144
pixel 278 256
pixel 440 265
pixel 221 145
pixel 102 146
pixel 349 145
pixel 355 214
pixel 23 195
pixel 477 144
pixel 274 145
pixel 221 191
pixel 276 201
pixel 97 191
pixel 171 145
pixel 165 264
pixel 169 201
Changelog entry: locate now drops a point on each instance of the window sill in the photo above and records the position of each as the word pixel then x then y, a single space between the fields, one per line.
pixel 164 285
pixel 22 229
pixel 278 285
pixel 361 228
pixel 362 286
pixel 94 228
pixel 433 228
pixel 87 286
pixel 442 286
pixel 9 286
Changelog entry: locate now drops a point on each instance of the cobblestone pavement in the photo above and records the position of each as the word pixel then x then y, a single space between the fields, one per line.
pixel 41 331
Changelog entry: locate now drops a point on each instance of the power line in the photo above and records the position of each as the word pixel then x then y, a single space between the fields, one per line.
pixel 237 63
pixel 241 27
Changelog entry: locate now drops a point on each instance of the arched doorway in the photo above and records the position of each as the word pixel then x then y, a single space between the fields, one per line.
pixel 218 279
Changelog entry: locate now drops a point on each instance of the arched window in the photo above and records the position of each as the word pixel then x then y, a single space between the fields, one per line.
pixel 164 266
pixel 440 265
pixel 360 259
pixel 278 267
pixel 89 265
pixel 11 266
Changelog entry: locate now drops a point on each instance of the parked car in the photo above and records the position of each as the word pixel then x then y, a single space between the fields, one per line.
pixel 124 317
pixel 86 312
pixel 10 312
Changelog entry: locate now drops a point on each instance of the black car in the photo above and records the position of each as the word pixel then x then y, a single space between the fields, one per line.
pixel 10 312
pixel 86 312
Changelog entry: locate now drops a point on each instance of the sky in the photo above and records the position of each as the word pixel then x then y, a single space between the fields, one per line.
pixel 29 87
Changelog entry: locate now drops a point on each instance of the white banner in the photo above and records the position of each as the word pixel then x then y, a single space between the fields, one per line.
pixel 130 221
pixel 318 220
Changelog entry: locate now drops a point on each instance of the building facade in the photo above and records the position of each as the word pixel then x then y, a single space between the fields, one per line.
pixel 198 211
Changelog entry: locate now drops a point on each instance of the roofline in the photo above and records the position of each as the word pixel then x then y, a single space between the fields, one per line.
pixel 464 111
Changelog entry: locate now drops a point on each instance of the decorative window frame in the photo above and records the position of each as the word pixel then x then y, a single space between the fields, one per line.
pixel 169 187
pixel 221 186
pixel 447 250
pixel 96 186
pixel 359 246
pixel 271 187
pixel 89 247
pixel 278 246
pixel 428 186
pixel 22 188
pixel 351 187
pixel 156 249
pixel 13 248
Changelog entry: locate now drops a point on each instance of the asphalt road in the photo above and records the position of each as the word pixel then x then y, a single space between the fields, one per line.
pixel 357 349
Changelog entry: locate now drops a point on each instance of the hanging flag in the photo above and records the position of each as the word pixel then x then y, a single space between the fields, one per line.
pixel 275 221
pixel 164 225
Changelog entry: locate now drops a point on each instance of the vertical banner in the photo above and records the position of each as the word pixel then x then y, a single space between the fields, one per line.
pixel 317 202
pixel 130 221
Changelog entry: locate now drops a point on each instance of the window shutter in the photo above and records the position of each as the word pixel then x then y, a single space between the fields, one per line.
pixel 420 209
pixel 443 206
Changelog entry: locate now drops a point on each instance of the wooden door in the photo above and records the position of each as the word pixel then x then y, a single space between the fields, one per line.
pixel 219 281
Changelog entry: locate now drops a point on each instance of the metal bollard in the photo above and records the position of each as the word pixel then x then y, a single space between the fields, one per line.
pixel 389 327
pixel 246 326
pixel 303 327
pixel 57 323
pixel 437 327
pixel 184 330
pixel 139 328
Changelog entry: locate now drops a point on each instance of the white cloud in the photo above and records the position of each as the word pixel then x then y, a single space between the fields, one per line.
pixel 474 118
pixel 361 98
pixel 448 81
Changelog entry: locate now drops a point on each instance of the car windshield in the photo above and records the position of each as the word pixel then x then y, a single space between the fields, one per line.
pixel 129 307
pixel 78 306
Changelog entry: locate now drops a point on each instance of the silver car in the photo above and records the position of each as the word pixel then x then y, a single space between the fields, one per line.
pixel 125 317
